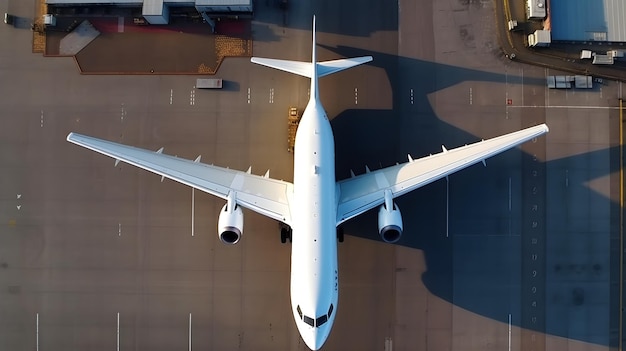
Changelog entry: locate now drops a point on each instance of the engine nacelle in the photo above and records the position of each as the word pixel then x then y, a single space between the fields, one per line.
pixel 389 222
pixel 230 224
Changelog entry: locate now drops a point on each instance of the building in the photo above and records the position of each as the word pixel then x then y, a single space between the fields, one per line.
pixel 158 11
pixel 535 9
pixel 584 20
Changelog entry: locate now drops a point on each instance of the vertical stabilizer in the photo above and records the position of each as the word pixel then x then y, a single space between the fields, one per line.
pixel 314 86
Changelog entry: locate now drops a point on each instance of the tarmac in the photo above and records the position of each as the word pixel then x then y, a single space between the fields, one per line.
pixel 185 46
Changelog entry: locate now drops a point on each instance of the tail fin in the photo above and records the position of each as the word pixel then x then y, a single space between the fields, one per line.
pixel 306 69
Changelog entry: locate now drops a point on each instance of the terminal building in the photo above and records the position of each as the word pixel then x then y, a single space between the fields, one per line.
pixel 158 11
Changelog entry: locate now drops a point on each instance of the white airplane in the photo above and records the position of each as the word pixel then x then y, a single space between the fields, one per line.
pixel 315 204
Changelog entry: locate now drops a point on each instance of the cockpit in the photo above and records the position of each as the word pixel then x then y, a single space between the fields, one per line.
pixel 316 322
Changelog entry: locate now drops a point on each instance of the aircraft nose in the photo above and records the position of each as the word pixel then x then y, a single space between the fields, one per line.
pixel 312 341
pixel 316 338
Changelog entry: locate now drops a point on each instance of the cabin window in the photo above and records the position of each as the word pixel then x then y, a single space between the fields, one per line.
pixel 321 320
pixel 308 320
pixel 299 311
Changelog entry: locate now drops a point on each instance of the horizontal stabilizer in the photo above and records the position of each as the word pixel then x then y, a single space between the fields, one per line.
pixel 304 68
pixel 295 67
pixel 329 67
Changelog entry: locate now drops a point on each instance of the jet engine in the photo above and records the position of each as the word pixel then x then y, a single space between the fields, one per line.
pixel 230 223
pixel 389 220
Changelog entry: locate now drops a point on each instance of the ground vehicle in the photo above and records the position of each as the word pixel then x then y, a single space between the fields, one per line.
pixel 209 83
pixel 292 126
pixel 8 19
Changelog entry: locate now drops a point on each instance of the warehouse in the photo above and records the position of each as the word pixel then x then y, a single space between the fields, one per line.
pixel 584 20
pixel 157 11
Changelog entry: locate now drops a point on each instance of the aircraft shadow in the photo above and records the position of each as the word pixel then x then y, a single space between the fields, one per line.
pixel 482 236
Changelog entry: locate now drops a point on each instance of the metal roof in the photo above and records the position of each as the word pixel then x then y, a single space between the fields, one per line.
pixel 151 4
pixel 587 20
pixel 223 2
pixel 152 8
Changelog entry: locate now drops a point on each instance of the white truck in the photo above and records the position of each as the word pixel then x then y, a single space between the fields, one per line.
pixel 209 83
pixel 540 38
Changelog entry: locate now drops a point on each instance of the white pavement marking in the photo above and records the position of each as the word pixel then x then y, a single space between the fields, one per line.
pixel 470 96
pixel 122 113
pixel 271 95
pixel 189 331
pixel 510 195
pixel 447 206
pixel 248 95
pixel 572 107
pixel 388 344
pixel 356 96
pixel 522 77
pixel 506 93
pixel 510 206
pixel 411 94
pixel 193 201
pixel 37 331
pixel 192 96
pixel 171 96
pixel 19 196
pixel 566 178
pixel 119 229
pixel 509 332
pixel 118 331
pixel 41 118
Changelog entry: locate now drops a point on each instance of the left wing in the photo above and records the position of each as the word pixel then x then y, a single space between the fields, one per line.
pixel 366 191
pixel 264 195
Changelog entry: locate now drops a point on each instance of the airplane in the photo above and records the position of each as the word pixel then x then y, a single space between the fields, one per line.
pixel 313 207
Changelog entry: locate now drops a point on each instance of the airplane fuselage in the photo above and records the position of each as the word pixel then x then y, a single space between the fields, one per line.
pixel 314 275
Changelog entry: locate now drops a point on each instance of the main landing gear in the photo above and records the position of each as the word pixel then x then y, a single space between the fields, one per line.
pixel 285 233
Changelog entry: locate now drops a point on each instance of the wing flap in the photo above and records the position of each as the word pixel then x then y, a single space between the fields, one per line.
pixel 364 192
pixel 266 196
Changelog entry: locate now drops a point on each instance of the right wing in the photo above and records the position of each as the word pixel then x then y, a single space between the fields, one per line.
pixel 269 197
pixel 366 191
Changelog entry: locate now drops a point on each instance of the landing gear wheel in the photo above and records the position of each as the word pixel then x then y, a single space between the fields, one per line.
pixel 285 233
pixel 340 234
